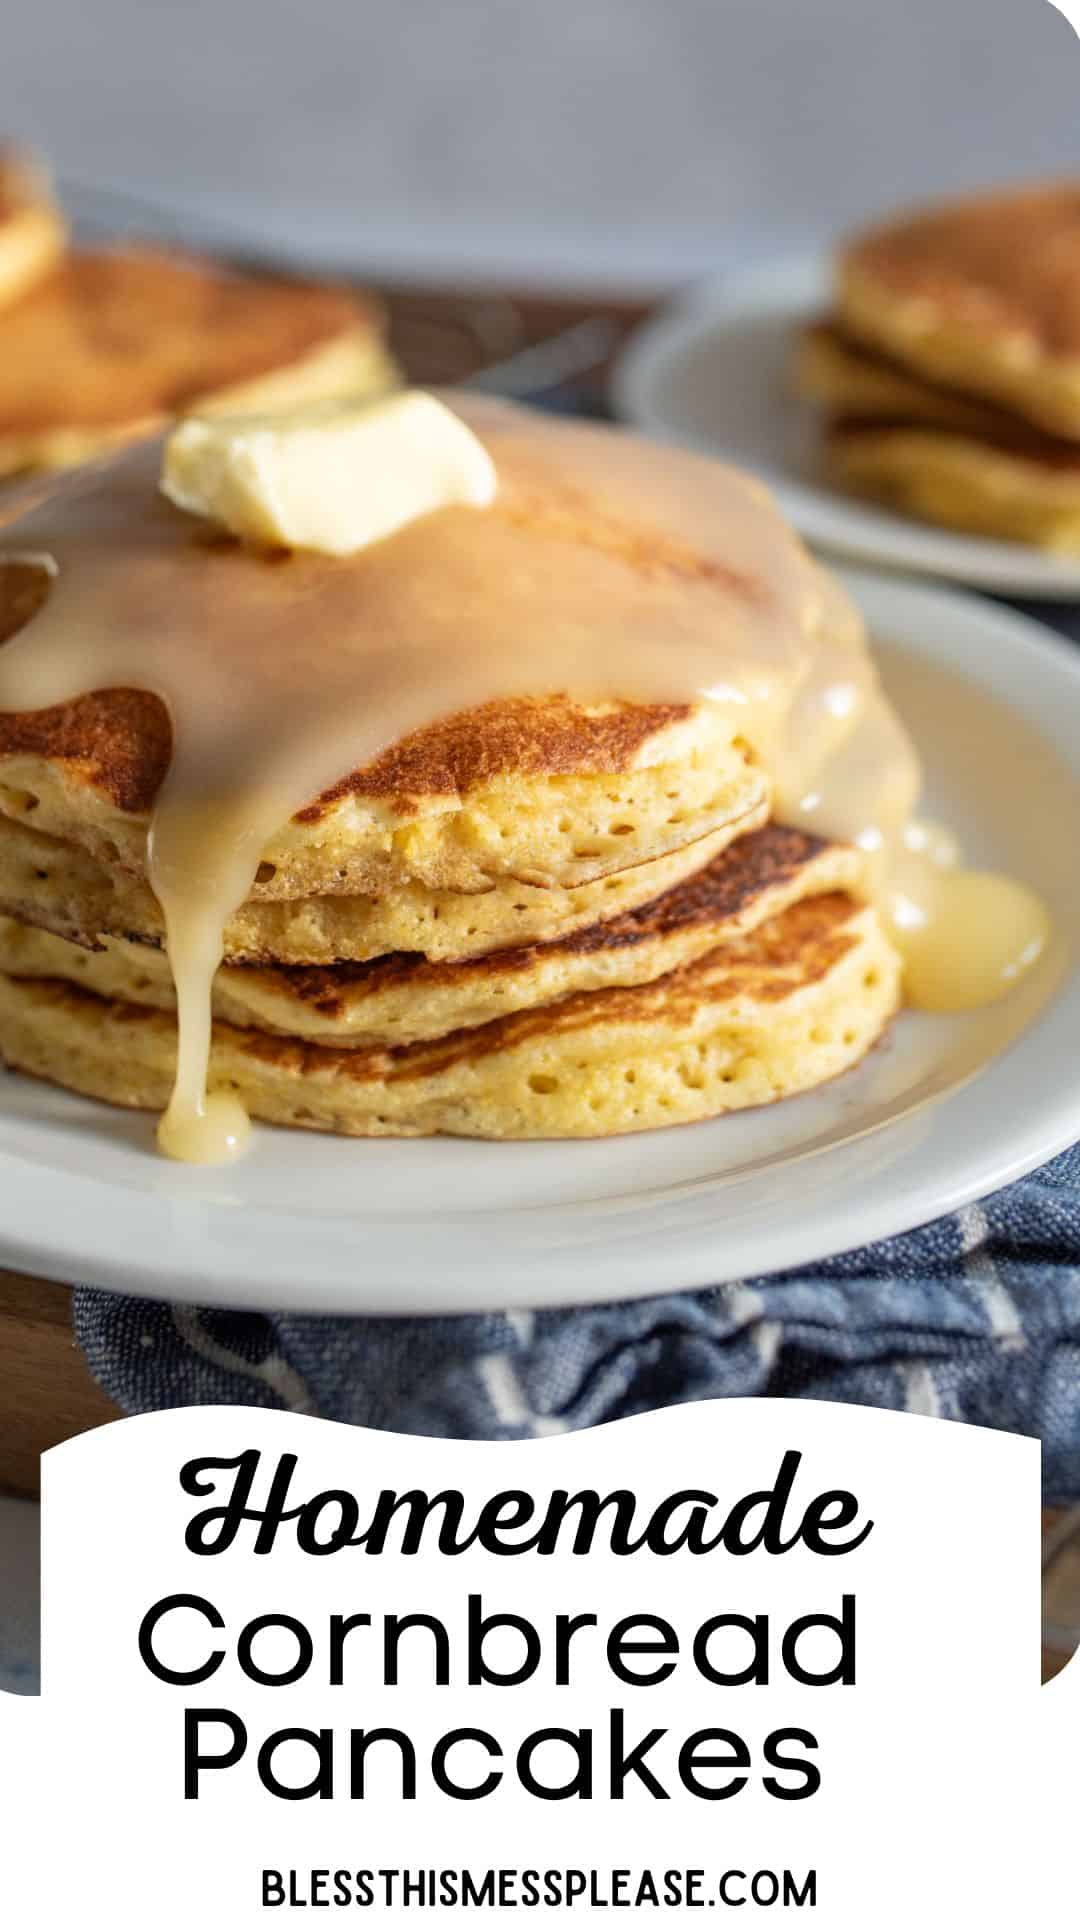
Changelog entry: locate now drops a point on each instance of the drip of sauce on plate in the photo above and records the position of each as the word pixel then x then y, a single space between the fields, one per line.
pixel 281 672
pixel 966 937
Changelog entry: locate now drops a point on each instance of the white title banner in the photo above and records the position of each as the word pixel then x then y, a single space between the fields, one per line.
pixel 737 1654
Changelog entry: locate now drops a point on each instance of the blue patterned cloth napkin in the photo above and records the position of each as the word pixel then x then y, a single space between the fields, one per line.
pixel 975 1318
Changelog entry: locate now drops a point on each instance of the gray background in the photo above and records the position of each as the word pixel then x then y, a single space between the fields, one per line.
pixel 617 138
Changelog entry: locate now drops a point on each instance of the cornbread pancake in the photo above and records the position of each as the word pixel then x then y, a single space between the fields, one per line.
pixel 918 445
pixel 981 294
pixel 109 343
pixel 851 381
pixel 784 1009
pixel 552 785
pixel 504 720
pixel 51 884
pixel 548 792
pixel 405 998
pixel 32 230
pixel 1018 485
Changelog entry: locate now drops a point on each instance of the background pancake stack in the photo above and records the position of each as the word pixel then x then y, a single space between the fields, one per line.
pixel 98 347
pixel 950 371
pixel 537 918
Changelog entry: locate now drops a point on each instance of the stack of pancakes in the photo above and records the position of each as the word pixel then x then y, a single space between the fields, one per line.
pixel 97 347
pixel 950 370
pixel 537 918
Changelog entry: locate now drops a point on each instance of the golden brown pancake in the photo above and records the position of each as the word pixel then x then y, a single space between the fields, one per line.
pixel 109 343
pixel 981 294
pixel 544 791
pixel 524 879
pixel 404 997
pixel 548 792
pixel 1016 485
pixel 51 884
pixel 755 1020
pixel 852 381
pixel 32 230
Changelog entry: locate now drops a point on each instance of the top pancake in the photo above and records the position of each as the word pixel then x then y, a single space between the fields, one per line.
pixel 546 792
pixel 982 294
pixel 32 232
pixel 108 343
pixel 551 788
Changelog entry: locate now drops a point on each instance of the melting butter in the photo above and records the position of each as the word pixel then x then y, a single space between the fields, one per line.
pixel 333 478
pixel 604 567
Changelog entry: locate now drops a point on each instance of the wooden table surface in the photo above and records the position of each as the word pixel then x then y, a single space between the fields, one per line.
pixel 543 343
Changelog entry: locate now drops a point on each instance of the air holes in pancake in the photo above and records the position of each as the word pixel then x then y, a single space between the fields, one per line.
pixel 820 1036
pixel 871 979
pixel 695 1081
pixel 849 1038
pixel 264 873
pixel 20 802
pixel 543 1083
pixel 623 826
pixel 24 589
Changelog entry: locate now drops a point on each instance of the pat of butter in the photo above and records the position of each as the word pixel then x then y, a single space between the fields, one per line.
pixel 330 479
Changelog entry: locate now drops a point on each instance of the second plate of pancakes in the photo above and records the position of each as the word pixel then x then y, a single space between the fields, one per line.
pixel 716 372
pixel 944 1109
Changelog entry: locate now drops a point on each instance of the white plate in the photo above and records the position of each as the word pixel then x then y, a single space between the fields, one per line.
pixel 944 1111
pixel 714 372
